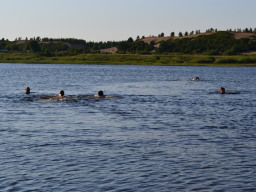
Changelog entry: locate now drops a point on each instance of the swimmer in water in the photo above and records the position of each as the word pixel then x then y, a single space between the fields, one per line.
pixel 60 97
pixel 27 90
pixel 100 94
pixel 197 79
pixel 57 98
pixel 61 94
pixel 222 90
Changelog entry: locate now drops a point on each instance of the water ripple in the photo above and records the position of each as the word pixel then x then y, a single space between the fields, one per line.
pixel 156 134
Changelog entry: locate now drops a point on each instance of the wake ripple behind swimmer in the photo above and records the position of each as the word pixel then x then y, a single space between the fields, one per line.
pixel 193 80
pixel 46 98
pixel 56 98
pixel 228 92
pixel 77 98
pixel 188 80
pixel 87 97
pixel 30 98
pixel 71 98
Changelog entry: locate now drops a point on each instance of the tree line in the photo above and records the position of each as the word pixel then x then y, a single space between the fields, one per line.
pixel 186 33
pixel 52 47
pixel 217 43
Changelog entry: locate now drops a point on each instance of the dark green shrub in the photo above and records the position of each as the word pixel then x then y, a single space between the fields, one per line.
pixel 247 60
pixel 227 60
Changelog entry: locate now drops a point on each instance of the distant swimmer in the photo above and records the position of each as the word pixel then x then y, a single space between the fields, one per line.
pixel 196 79
pixel 222 90
pixel 61 94
pixel 27 90
pixel 60 97
pixel 100 94
pixel 56 98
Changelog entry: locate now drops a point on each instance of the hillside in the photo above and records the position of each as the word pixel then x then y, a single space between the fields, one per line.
pixel 157 40
pixel 210 43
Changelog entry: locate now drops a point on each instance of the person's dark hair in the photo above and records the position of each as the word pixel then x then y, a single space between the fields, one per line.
pixel 27 90
pixel 100 93
pixel 61 93
pixel 197 78
pixel 222 90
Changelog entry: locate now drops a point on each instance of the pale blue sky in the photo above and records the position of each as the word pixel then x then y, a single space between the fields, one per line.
pixel 107 20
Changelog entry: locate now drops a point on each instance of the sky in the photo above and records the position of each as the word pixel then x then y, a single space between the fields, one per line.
pixel 116 20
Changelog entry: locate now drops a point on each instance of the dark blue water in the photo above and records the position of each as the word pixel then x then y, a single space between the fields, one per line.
pixel 160 132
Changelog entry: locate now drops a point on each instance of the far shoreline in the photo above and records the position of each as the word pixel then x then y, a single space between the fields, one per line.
pixel 132 59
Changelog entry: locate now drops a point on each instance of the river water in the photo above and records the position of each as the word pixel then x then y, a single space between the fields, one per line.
pixel 160 131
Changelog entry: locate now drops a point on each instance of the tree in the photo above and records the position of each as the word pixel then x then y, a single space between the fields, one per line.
pixel 122 46
pixel 246 30
pixel 198 32
pixel 163 47
pixel 172 34
pixel 33 46
pixel 11 47
pixel 95 48
pixel 209 30
pixel 130 40
pixel 166 46
pixel 152 43
pixel 162 35
pixel 180 34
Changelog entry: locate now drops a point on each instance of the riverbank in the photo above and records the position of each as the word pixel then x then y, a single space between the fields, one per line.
pixel 131 59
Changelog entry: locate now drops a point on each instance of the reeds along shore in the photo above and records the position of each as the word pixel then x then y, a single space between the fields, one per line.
pixel 133 59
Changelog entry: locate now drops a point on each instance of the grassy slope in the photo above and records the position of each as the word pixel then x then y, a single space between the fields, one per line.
pixel 118 59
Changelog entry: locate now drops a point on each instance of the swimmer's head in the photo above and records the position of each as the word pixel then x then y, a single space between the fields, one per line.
pixel 27 90
pixel 197 78
pixel 61 93
pixel 100 93
pixel 222 90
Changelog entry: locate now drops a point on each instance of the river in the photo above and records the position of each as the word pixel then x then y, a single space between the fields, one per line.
pixel 160 131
